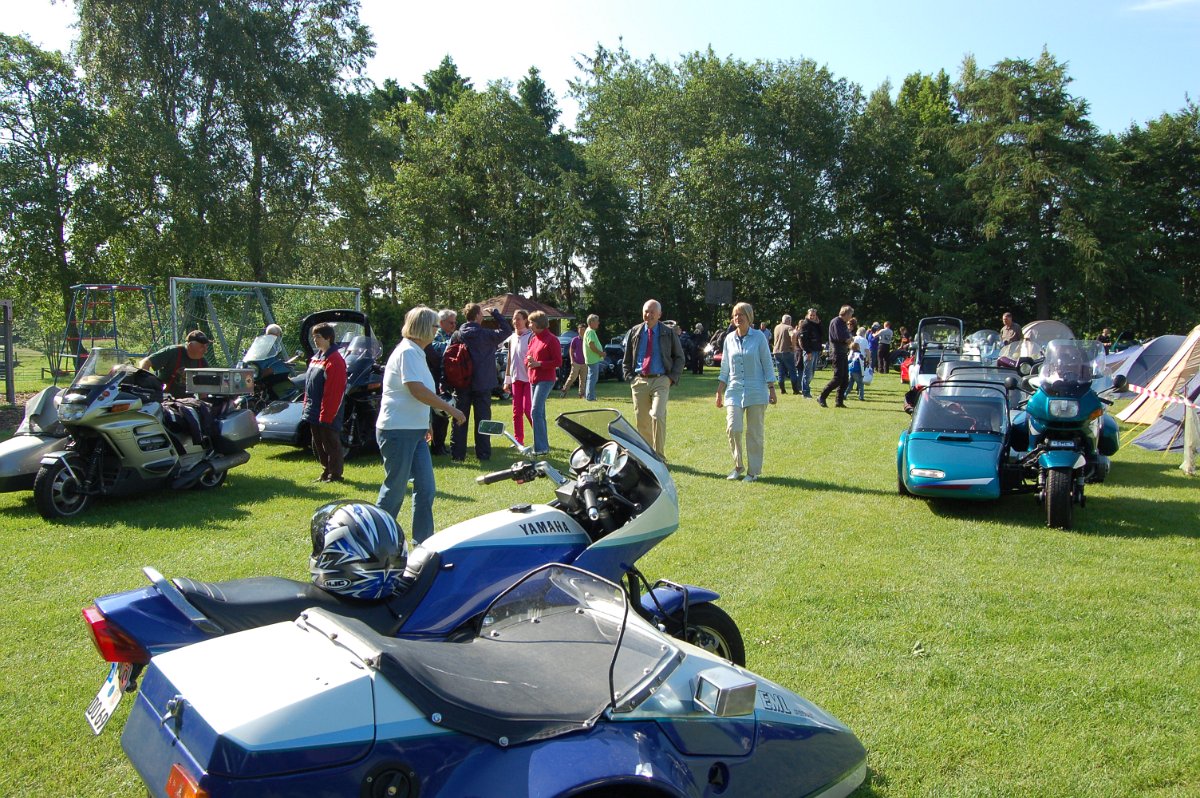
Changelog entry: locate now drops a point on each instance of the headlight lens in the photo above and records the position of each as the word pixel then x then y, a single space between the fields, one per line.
pixel 1064 408
pixel 927 473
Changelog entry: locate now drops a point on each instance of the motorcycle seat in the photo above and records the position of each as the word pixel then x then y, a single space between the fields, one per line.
pixel 240 604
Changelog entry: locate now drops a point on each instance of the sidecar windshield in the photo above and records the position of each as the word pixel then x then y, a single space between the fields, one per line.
pixel 1073 362
pixel 100 363
pixel 551 654
pixel 263 347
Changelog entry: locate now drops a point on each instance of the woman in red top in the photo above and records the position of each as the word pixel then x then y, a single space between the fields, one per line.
pixel 543 360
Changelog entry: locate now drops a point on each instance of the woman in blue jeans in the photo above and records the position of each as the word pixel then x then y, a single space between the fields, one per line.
pixel 402 428
pixel 542 361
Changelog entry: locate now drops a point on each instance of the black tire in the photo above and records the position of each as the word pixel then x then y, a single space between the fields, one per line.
pixel 57 494
pixel 1060 504
pixel 710 628
pixel 211 479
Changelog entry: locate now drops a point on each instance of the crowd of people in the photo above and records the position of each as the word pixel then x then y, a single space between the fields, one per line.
pixel 422 405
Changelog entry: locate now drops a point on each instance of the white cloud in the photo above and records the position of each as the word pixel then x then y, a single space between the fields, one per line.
pixel 1160 5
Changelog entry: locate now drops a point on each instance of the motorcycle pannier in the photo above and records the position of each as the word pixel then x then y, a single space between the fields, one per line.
pixel 237 432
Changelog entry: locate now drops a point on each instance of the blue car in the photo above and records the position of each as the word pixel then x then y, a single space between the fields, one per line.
pixel 557 690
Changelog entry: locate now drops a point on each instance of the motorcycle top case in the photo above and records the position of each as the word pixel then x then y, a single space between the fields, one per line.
pixel 219 382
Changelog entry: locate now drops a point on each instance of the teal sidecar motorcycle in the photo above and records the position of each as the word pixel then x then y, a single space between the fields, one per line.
pixel 974 435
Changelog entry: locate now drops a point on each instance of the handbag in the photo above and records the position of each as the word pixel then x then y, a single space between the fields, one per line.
pixel 868 375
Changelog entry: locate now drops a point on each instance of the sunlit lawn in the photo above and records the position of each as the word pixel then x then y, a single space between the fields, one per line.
pixel 973 650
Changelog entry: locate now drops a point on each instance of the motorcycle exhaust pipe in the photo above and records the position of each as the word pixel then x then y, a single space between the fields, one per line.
pixel 223 463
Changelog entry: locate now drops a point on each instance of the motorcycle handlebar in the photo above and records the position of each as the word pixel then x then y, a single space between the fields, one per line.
pixel 589 500
pixel 497 476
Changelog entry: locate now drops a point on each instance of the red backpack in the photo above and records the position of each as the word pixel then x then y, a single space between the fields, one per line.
pixel 457 368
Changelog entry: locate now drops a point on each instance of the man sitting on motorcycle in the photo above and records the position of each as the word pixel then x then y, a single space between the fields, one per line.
pixel 169 363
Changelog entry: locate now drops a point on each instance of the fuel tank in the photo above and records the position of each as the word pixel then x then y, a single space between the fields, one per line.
pixel 482 556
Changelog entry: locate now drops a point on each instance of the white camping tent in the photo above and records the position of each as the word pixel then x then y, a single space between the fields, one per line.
pixel 1170 379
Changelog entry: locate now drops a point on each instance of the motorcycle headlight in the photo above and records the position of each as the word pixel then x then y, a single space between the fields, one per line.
pixel 1064 408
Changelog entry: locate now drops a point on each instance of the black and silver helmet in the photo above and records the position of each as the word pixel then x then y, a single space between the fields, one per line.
pixel 358 550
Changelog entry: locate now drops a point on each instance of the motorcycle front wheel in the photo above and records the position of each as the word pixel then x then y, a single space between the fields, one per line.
pixel 1060 504
pixel 709 627
pixel 57 493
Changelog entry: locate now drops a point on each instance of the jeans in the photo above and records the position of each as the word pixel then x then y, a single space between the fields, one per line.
pixel 856 378
pixel 810 368
pixel 481 402
pixel 406 455
pixel 593 377
pixel 541 437
pixel 785 367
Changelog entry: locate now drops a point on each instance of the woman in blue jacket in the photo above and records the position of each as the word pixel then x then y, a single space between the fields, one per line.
pixel 324 389
pixel 745 387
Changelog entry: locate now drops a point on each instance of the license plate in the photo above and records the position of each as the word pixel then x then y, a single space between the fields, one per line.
pixel 1062 444
pixel 101 709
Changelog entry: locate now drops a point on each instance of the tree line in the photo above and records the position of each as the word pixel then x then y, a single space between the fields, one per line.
pixel 240 140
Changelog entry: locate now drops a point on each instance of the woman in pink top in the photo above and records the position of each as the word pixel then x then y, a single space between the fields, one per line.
pixel 516 376
pixel 543 360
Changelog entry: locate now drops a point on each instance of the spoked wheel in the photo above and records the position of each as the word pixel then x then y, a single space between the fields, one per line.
pixel 57 493
pixel 1060 504
pixel 709 627
pixel 211 479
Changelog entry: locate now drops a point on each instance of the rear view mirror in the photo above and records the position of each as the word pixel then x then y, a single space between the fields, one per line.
pixel 491 427
pixel 1011 383
pixel 1119 382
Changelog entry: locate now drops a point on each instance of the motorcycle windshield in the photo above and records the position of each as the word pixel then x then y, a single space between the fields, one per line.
pixel 1073 363
pixel 100 363
pixel 361 346
pixel 264 347
pixel 594 428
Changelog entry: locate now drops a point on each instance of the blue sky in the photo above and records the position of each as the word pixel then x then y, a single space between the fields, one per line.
pixel 1132 60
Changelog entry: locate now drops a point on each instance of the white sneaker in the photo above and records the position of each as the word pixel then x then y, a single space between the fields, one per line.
pixel 750 478
pixel 734 474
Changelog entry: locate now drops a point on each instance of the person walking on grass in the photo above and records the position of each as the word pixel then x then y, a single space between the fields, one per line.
pixel 839 340
pixel 653 363
pixel 578 375
pixel 744 388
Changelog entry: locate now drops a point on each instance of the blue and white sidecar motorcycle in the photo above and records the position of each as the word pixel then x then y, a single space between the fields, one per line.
pixel 557 689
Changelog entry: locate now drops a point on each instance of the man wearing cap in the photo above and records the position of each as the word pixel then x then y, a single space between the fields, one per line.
pixel 170 362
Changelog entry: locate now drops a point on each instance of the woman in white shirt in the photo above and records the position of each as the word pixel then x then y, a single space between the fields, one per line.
pixel 745 387
pixel 516 375
pixel 402 427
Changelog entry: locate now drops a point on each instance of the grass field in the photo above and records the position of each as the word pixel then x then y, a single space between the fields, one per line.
pixel 974 651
